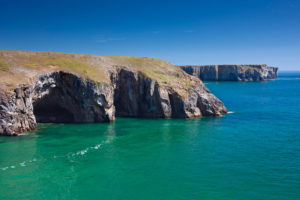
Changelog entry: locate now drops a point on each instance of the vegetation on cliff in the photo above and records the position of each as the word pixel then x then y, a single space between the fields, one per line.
pixel 78 88
pixel 22 67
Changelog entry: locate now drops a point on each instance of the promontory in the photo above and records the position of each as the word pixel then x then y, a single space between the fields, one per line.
pixel 255 72
pixel 77 88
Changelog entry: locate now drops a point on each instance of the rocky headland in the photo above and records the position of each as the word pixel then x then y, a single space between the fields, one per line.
pixel 50 87
pixel 231 72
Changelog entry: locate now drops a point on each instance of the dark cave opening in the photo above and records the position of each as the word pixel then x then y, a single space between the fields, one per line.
pixel 49 109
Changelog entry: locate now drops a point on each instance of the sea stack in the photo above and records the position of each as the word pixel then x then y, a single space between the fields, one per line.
pixel 231 72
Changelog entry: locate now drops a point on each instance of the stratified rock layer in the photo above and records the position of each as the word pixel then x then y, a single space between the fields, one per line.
pixel 61 97
pixel 95 89
pixel 231 72
pixel 56 97
pixel 139 96
pixel 16 112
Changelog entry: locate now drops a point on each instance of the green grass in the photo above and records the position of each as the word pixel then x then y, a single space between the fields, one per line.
pixel 248 67
pixel 3 65
pixel 94 67
pixel 78 67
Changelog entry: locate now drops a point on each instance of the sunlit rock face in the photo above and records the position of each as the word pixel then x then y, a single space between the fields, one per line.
pixel 51 87
pixel 139 96
pixel 61 97
pixel 231 72
pixel 56 97
pixel 16 112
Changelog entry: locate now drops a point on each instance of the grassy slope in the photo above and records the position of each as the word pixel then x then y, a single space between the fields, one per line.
pixel 22 67
pixel 233 65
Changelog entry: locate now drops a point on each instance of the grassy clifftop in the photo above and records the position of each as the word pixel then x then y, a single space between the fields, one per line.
pixel 22 67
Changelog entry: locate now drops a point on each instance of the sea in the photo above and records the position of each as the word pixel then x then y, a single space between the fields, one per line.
pixel 252 153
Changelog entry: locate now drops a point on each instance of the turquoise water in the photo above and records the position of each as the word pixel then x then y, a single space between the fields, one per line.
pixel 252 153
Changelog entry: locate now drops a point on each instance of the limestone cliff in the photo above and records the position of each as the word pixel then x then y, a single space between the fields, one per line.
pixel 74 88
pixel 231 72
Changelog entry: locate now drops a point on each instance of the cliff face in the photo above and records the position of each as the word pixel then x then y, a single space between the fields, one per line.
pixel 139 96
pixel 232 72
pixel 16 112
pixel 56 95
pixel 61 97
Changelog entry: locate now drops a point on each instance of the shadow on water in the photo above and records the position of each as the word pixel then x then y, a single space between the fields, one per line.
pixel 68 137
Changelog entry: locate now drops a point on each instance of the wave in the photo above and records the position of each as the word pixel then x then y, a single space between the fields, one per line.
pixel 86 150
pixel 70 155
pixel 230 112
pixel 21 164
pixel 90 149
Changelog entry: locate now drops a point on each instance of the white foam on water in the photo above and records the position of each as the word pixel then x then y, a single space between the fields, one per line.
pixel 97 146
pixel 230 112
pixel 85 151
pixel 21 164
pixel 91 148
pixel 81 152
pixel 88 149
pixel 23 134
pixel 4 168
pixel 76 154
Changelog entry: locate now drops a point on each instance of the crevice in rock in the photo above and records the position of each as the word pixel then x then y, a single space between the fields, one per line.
pixel 137 96
pixel 177 106
pixel 61 97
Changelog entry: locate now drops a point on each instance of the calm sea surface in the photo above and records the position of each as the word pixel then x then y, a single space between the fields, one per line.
pixel 251 153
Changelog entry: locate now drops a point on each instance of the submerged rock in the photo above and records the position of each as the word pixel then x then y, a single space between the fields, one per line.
pixel 58 96
pixel 231 72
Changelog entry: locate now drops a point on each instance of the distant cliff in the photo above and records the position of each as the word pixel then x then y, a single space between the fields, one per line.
pixel 231 72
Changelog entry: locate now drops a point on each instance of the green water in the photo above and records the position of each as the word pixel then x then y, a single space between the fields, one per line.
pixel 252 153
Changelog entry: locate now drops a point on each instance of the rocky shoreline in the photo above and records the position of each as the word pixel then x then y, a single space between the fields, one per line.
pixel 231 72
pixel 61 96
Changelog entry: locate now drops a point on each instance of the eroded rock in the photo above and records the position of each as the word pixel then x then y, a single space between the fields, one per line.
pixel 61 97
pixel 16 111
pixel 231 72
pixel 139 96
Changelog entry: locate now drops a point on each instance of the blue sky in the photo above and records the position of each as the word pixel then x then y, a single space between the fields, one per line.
pixel 182 32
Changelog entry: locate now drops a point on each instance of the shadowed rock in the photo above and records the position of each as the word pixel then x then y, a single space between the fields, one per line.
pixel 142 87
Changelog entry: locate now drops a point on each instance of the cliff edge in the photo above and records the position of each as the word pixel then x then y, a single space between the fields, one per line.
pixel 231 72
pixel 77 88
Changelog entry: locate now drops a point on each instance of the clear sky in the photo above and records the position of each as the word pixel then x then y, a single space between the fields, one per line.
pixel 182 32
